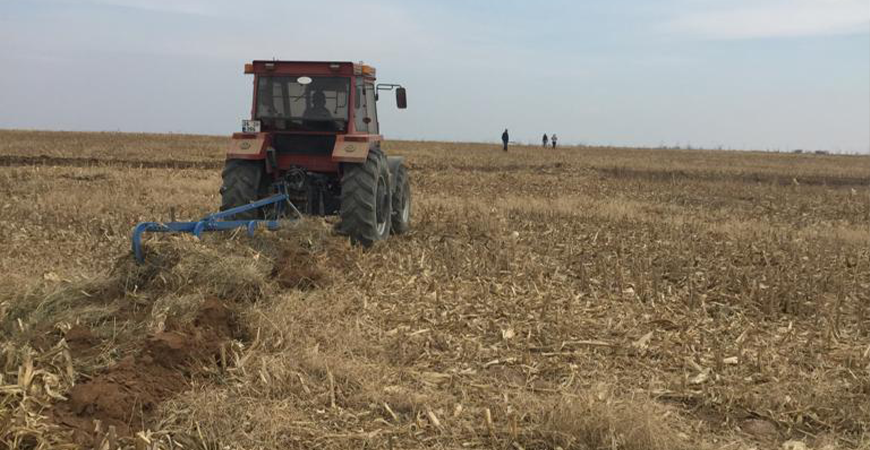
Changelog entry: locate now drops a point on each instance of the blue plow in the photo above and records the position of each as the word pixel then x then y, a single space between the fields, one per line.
pixel 215 222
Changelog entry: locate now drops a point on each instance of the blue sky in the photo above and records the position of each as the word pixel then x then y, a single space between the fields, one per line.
pixel 755 74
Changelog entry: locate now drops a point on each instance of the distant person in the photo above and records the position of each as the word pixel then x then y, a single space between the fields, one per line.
pixel 545 140
pixel 318 110
pixel 505 138
pixel 553 140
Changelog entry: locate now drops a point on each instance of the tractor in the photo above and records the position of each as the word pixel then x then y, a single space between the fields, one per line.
pixel 312 146
pixel 314 133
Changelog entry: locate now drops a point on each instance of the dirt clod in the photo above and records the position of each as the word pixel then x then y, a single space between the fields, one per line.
pixel 80 339
pixel 127 394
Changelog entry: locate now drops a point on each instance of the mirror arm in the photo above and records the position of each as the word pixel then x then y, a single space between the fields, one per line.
pixel 387 86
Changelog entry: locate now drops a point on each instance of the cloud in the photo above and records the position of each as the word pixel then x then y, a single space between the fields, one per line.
pixel 773 19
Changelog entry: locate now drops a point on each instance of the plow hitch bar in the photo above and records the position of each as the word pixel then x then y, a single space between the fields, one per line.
pixel 215 222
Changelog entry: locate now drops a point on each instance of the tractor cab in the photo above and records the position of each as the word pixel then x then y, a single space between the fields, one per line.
pixel 289 103
pixel 302 97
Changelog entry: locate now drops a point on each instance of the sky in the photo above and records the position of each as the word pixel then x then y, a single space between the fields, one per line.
pixel 741 74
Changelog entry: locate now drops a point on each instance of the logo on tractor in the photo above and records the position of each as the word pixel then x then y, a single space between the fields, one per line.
pixel 245 145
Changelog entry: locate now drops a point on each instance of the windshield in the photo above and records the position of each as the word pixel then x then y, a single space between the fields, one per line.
pixel 303 103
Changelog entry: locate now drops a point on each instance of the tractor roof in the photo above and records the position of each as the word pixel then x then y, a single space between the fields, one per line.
pixel 334 68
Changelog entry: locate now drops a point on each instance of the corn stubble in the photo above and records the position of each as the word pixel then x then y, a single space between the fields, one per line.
pixel 582 298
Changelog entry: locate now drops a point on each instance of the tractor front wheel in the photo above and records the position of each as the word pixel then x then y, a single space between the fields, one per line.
pixel 243 182
pixel 366 200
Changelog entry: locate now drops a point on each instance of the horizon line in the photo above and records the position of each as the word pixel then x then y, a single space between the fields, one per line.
pixel 676 146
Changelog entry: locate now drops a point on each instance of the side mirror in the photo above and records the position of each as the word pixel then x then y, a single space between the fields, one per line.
pixel 401 98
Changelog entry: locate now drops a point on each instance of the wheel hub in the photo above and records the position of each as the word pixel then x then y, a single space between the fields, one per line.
pixel 382 206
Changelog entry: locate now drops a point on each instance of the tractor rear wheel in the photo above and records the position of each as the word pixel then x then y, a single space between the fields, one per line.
pixel 244 182
pixel 366 200
pixel 401 219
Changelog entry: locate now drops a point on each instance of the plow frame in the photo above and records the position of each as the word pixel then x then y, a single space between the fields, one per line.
pixel 217 222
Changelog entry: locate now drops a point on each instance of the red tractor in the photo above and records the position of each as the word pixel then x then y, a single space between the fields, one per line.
pixel 314 135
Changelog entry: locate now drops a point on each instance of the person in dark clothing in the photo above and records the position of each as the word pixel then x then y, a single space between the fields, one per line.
pixel 318 110
pixel 545 140
pixel 504 138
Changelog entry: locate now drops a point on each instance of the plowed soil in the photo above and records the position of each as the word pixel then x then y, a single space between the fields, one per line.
pixel 126 395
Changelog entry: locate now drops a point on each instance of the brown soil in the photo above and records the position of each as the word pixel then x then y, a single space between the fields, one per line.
pixel 127 394
pixel 80 340
pixel 124 397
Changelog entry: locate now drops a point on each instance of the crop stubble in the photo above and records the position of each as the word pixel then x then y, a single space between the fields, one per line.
pixel 583 298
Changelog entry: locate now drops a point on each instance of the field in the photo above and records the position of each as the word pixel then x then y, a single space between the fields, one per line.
pixel 579 298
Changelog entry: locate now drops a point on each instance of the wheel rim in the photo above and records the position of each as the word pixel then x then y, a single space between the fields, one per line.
pixel 382 206
pixel 406 206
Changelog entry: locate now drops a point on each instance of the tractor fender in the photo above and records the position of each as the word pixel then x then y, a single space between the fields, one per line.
pixel 351 151
pixel 354 148
pixel 247 146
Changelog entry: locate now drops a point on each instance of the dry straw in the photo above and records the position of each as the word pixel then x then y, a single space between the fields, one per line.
pixel 585 298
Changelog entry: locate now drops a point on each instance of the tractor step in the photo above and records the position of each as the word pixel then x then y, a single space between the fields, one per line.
pixel 216 222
